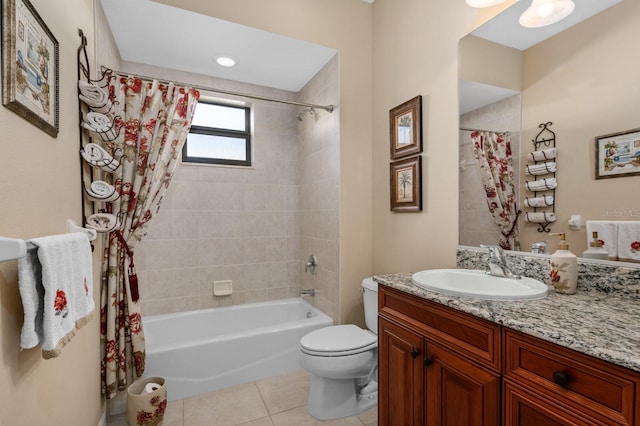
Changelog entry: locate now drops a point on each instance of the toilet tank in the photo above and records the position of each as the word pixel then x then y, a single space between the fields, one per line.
pixel 370 301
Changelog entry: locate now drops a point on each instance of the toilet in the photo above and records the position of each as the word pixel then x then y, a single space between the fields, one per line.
pixel 343 362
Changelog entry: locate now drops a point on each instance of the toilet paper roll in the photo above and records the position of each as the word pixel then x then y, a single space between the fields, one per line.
pixel 151 387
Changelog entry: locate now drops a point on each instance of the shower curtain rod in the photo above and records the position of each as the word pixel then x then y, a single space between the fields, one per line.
pixel 328 108
pixel 483 130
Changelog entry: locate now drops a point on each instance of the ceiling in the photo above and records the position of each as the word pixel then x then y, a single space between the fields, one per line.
pixel 263 58
pixel 504 29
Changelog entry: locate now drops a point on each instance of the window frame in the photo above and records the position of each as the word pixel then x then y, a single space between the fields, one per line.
pixel 228 133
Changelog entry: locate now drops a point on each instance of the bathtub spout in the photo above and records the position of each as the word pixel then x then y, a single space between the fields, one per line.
pixel 309 292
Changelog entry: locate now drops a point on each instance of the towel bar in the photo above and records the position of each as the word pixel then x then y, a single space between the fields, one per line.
pixel 14 248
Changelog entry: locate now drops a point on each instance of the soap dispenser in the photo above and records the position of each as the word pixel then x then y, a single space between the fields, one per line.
pixel 564 268
pixel 595 250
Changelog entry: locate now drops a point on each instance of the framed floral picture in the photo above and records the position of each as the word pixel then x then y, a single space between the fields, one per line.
pixel 406 185
pixel 29 66
pixel 405 122
pixel 618 154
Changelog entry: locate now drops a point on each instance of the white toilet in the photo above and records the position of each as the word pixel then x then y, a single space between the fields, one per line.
pixel 343 362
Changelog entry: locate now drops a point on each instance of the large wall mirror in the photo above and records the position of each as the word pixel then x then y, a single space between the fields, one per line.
pixel 584 77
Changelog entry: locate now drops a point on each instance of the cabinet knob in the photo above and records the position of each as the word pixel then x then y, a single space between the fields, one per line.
pixel 414 353
pixel 428 362
pixel 560 378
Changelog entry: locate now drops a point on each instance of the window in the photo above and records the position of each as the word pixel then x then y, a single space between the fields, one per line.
pixel 220 134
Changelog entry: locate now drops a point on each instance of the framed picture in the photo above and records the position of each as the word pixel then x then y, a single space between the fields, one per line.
pixel 406 185
pixel 406 128
pixel 618 154
pixel 29 66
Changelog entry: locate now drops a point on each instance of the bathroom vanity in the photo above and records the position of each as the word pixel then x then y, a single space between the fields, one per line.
pixel 562 360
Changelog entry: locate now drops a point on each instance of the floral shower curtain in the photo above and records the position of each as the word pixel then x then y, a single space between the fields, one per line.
pixel 155 119
pixel 493 153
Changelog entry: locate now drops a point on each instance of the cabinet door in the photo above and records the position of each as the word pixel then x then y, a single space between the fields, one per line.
pixel 400 374
pixel 458 392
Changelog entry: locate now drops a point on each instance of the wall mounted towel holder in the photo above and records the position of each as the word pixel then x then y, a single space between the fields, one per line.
pixel 15 248
pixel 542 187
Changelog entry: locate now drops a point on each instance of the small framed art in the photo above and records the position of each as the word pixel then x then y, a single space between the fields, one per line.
pixel 406 185
pixel 29 66
pixel 618 154
pixel 405 123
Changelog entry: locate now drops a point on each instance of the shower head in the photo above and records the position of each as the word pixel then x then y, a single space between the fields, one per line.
pixel 300 116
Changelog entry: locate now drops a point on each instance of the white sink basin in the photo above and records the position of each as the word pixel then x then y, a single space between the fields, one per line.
pixel 477 284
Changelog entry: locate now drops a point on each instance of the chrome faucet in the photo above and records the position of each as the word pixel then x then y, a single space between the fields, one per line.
pixel 498 263
pixel 309 292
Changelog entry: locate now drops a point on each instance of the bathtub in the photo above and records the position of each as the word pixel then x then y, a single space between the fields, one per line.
pixel 205 350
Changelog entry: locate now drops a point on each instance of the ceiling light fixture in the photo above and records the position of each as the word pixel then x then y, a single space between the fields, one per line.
pixel 226 61
pixel 546 12
pixel 483 3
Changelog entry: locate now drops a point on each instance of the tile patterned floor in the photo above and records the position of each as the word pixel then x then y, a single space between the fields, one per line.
pixel 278 401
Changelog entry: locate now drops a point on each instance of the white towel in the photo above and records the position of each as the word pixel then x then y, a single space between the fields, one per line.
pixel 607 233
pixel 56 287
pixel 629 241
pixel 541 169
pixel 97 156
pixel 542 184
pixel 545 154
pixel 99 125
pixel 95 97
pixel 540 217
pixel 545 201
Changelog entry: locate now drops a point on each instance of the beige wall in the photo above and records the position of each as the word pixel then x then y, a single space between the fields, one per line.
pixel 490 63
pixel 39 182
pixel 585 81
pixel 416 53
pixel 346 26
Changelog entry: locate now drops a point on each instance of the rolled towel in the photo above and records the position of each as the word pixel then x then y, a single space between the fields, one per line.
pixel 540 217
pixel 99 125
pixel 545 201
pixel 542 184
pixel 545 154
pixel 100 190
pixel 541 169
pixel 95 97
pixel 95 155
pixel 102 222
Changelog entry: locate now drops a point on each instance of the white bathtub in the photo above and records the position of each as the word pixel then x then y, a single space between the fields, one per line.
pixel 205 350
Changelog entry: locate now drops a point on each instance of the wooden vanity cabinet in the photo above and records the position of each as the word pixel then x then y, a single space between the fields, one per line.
pixel 440 366
pixel 424 376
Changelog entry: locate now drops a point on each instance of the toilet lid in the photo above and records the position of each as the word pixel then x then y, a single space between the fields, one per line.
pixel 338 339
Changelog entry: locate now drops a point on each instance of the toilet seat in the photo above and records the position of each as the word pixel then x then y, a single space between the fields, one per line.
pixel 339 340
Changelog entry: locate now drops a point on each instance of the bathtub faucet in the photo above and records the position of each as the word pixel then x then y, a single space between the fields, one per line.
pixel 309 292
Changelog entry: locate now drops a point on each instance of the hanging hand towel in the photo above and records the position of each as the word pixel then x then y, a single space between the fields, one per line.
pixel 545 201
pixel 56 286
pixel 629 241
pixel 545 154
pixel 607 234
pixel 542 184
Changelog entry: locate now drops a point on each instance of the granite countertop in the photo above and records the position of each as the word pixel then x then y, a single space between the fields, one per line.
pixel 601 325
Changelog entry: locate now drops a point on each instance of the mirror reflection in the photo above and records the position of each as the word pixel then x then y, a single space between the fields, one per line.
pixel 584 80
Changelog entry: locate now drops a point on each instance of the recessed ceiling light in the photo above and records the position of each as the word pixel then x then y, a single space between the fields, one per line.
pixel 226 61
